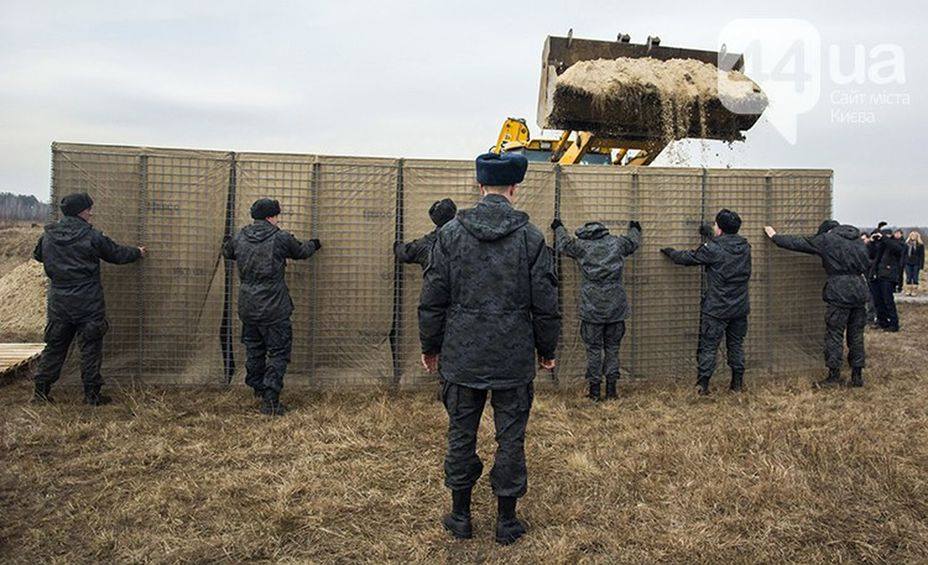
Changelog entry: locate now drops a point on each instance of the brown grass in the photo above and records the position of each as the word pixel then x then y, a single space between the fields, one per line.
pixel 781 473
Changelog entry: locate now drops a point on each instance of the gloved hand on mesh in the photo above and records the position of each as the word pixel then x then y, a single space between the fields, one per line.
pixel 556 223
pixel 634 225
pixel 705 229
pixel 667 251
pixel 316 243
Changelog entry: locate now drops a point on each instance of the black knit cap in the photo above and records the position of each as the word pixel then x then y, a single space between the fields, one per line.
pixel 74 204
pixel 443 211
pixel 265 208
pixel 728 221
pixel 827 226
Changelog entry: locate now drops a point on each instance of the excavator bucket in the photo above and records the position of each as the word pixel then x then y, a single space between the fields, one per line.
pixel 645 92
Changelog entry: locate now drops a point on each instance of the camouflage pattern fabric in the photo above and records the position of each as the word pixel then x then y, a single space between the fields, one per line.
pixel 711 332
pixel 727 260
pixel 416 251
pixel 602 343
pixel 601 257
pixel 489 298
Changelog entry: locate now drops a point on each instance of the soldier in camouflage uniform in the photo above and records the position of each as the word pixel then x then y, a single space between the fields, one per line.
pixel 418 251
pixel 603 302
pixel 261 251
pixel 488 305
pixel 846 261
pixel 71 250
pixel 726 256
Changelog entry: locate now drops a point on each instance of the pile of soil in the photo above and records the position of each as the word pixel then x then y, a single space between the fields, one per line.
pixel 680 94
pixel 22 285
pixel 22 303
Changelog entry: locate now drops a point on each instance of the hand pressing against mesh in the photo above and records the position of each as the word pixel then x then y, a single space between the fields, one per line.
pixel 770 231
pixel 556 223
pixel 316 243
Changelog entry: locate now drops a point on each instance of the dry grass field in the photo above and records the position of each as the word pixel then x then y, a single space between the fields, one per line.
pixel 780 473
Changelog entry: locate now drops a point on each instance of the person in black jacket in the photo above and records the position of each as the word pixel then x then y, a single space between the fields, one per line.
pixel 488 306
pixel 914 259
pixel 887 253
pixel 603 302
pixel 726 257
pixel 846 262
pixel 71 250
pixel 261 251
pixel 419 250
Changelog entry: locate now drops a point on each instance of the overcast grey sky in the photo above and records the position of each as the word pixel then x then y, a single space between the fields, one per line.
pixel 418 79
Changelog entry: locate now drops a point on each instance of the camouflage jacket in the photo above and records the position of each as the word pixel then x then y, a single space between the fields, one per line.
pixel 489 298
pixel 261 251
pixel 416 251
pixel 601 257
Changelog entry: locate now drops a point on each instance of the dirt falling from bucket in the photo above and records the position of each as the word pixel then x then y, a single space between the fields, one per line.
pixel 683 88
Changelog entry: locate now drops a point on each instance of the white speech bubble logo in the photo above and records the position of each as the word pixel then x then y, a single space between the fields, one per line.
pixel 783 56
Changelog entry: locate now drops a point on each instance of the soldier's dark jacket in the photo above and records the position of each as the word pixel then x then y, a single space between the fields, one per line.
pixel 727 259
pixel 845 259
pixel 261 251
pixel 888 254
pixel 601 257
pixel 71 250
pixel 489 298
pixel 416 251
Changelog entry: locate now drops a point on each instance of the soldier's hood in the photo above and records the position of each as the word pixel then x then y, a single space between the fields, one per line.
pixel 259 231
pixel 592 230
pixel 847 232
pixel 732 243
pixel 67 230
pixel 492 218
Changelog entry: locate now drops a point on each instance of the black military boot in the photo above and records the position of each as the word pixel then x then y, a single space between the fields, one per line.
pixel 93 397
pixel 611 392
pixel 42 394
pixel 508 528
pixel 737 381
pixel 702 387
pixel 857 376
pixel 593 394
pixel 833 379
pixel 458 520
pixel 271 405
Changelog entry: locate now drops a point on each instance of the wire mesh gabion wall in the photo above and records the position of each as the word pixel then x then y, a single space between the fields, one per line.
pixel 173 316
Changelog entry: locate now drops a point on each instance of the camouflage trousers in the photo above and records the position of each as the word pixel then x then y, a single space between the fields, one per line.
pixel 840 324
pixel 711 332
pixel 510 415
pixel 267 349
pixel 58 337
pixel 602 343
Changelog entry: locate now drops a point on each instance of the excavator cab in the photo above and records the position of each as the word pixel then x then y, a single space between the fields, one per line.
pixel 629 129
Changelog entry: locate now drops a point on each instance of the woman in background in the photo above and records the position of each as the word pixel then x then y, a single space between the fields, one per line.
pixel 914 260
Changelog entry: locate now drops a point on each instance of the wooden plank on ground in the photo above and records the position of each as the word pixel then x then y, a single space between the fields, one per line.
pixel 16 358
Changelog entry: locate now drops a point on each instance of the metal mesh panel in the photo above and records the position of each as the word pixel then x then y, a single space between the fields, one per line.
pixel 164 311
pixel 665 297
pixel 587 195
pixel 182 287
pixel 355 217
pixel 746 192
pixel 424 182
pixel 352 303
pixel 800 201
pixel 289 179
pixel 113 178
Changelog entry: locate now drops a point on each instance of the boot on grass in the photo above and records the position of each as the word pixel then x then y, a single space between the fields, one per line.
pixel 737 381
pixel 93 397
pixel 857 377
pixel 832 380
pixel 457 522
pixel 42 394
pixel 611 392
pixel 508 527
pixel 702 387
pixel 271 404
pixel 593 393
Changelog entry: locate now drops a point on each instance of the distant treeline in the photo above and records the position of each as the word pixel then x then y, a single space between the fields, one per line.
pixel 23 207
